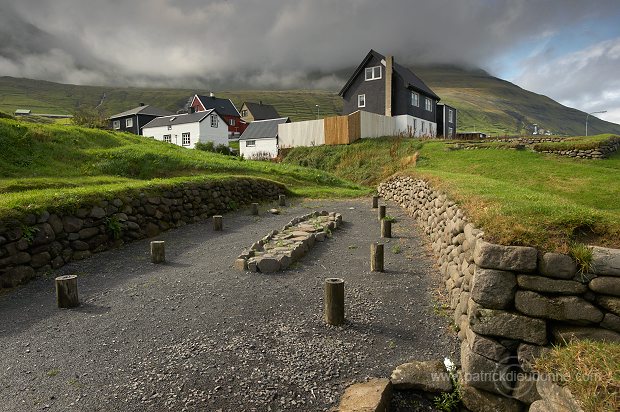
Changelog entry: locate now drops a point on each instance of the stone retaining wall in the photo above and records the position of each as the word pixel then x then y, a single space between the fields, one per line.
pixel 49 239
pixel 601 152
pixel 509 302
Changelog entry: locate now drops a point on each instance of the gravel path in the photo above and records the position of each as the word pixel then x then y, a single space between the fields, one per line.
pixel 194 334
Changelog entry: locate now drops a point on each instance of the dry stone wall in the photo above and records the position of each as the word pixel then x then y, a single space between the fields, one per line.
pixel 49 239
pixel 510 302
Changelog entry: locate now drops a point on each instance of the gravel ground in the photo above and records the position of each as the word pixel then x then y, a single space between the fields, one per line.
pixel 194 334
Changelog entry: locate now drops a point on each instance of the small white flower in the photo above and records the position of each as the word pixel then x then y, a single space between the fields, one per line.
pixel 450 367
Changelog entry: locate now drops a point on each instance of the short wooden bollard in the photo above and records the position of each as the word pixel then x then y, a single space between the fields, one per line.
pixel 375 202
pixel 334 301
pixel 386 228
pixel 67 291
pixel 381 212
pixel 217 223
pixel 255 209
pixel 282 200
pixel 158 251
pixel 376 257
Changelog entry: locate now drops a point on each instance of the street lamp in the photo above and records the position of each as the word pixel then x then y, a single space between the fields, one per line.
pixel 602 111
pixel 317 111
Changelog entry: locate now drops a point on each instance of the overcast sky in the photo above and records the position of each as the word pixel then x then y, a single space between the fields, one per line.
pixel 566 49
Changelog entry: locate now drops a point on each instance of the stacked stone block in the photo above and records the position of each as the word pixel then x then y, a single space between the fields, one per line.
pixel 510 302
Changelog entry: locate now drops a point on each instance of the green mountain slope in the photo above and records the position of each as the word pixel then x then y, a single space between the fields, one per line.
pixel 486 103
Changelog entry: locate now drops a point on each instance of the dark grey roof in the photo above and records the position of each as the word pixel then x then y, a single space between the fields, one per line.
pixel 411 80
pixel 262 111
pixel 178 119
pixel 263 129
pixel 224 107
pixel 146 109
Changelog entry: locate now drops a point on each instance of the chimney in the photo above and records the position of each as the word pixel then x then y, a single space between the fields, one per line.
pixel 211 94
pixel 260 102
pixel 389 61
pixel 141 104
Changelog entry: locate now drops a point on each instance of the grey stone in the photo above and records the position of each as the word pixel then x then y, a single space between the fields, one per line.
pixel 21 258
pixel 610 303
pixel 493 289
pixel 558 398
pixel 252 266
pixel 151 229
pixel 88 232
pixel 557 265
pixel 56 223
pixel 320 236
pixel 493 322
pixel 267 264
pixel 83 254
pixel 241 264
pixel 564 308
pixel 72 224
pixel 606 285
pixel 97 212
pixel 482 401
pixel 16 275
pixel 512 258
pixel 605 261
pixel 485 374
pixel 543 284
pixel 526 355
pixel 57 262
pixel 612 322
pixel 568 333
pixel 285 261
pixel 44 235
pixel 525 388
pixel 429 376
pixel 40 259
pixel 486 347
pixel 371 396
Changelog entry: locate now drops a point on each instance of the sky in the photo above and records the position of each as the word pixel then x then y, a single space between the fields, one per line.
pixel 568 50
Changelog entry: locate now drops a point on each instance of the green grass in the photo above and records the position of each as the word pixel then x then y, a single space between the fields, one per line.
pixel 517 197
pixel 591 370
pixel 61 166
pixel 577 143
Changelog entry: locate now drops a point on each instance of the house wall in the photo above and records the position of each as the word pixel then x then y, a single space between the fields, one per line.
pixel 375 125
pixel 249 118
pixel 401 102
pixel 415 126
pixel 443 124
pixel 123 121
pixel 308 133
pixel 262 146
pixel 236 129
pixel 198 132
pixel 374 90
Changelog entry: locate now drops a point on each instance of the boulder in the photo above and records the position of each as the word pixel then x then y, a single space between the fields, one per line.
pixel 482 401
pixel 486 347
pixel 557 398
pixel 610 303
pixel 509 325
pixel 612 322
pixel 267 264
pixel 567 333
pixel 72 224
pixel 605 261
pixel 525 388
pixel 546 285
pixel 371 396
pixel 564 308
pixel 557 265
pixel 511 258
pixel 607 285
pixel 486 374
pixel 527 354
pixel 429 376
pixel 16 275
pixel 493 289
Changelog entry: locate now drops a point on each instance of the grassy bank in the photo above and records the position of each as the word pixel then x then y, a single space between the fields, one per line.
pixel 49 165
pixel 518 197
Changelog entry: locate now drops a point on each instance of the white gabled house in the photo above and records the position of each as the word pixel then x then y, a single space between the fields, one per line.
pixel 188 129
pixel 260 139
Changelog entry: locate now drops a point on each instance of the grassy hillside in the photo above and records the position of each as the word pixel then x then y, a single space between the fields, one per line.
pixel 519 197
pixel 43 165
pixel 485 103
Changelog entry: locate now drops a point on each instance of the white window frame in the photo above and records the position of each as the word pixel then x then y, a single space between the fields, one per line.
pixel 167 138
pixel 250 143
pixel 116 124
pixel 129 122
pixel 361 100
pixel 231 122
pixel 450 115
pixel 450 131
pixel 187 142
pixel 415 99
pixel 428 104
pixel 372 73
pixel 214 121
pixel 244 112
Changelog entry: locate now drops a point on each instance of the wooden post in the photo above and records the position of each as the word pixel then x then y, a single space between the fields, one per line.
pixel 217 223
pixel 375 202
pixel 282 200
pixel 255 209
pixel 158 251
pixel 386 228
pixel 376 257
pixel 67 291
pixel 334 301
pixel 381 212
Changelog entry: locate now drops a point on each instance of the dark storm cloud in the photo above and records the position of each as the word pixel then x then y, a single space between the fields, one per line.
pixel 261 43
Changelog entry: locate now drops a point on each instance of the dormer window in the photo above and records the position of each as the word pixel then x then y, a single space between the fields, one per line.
pixel 214 122
pixel 373 73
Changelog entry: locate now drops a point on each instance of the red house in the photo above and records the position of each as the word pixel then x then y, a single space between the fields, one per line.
pixel 224 107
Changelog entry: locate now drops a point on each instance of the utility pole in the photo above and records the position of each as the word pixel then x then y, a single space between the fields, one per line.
pixel 602 111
